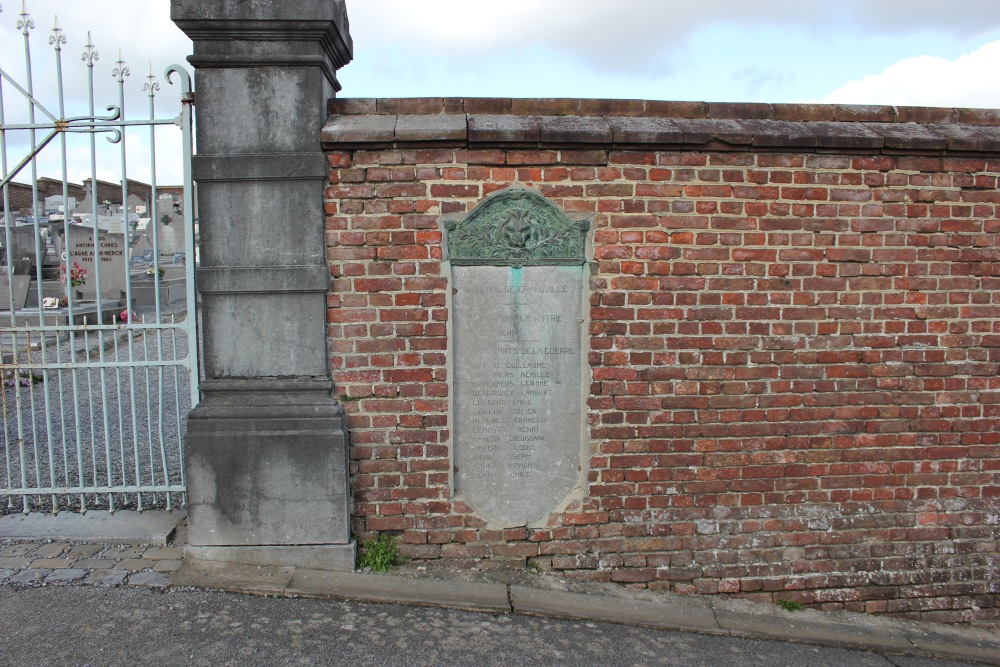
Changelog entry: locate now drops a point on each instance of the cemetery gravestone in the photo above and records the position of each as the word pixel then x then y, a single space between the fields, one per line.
pixel 169 227
pixel 133 204
pixel 518 271
pixel 83 252
pixel 22 244
pixel 58 203
pixel 117 223
pixel 169 230
pixel 20 278
pixel 85 207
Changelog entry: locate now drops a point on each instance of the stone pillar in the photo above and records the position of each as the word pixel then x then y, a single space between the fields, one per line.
pixel 266 450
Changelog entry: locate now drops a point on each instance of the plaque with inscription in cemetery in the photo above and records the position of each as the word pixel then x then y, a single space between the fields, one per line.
pixel 518 272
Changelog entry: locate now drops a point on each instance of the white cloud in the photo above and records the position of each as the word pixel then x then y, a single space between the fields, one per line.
pixel 930 81
pixel 628 33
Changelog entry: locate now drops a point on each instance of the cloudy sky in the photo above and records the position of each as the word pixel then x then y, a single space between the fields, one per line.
pixel 925 52
pixel 921 52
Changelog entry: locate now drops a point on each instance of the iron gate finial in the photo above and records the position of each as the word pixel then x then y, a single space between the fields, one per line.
pixel 25 23
pixel 90 54
pixel 151 86
pixel 57 39
pixel 121 70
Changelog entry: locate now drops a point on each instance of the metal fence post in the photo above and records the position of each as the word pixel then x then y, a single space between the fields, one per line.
pixel 266 447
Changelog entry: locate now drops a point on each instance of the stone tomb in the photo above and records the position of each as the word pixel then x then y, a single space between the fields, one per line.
pixel 518 275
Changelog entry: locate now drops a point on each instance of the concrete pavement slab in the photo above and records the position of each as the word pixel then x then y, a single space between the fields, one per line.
pixel 164 553
pixel 167 566
pixel 149 579
pixel 958 642
pixel 754 619
pixel 29 576
pixel 121 552
pixel 84 550
pixel 563 604
pixel 106 577
pixel 387 588
pixel 51 563
pixel 233 577
pixel 134 564
pixel 95 563
pixel 64 576
pixel 50 550
pixel 123 527
pixel 20 549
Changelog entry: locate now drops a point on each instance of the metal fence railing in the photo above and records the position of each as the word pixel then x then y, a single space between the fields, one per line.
pixel 97 305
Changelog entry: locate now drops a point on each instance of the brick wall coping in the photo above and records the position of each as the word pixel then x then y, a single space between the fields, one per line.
pixel 639 124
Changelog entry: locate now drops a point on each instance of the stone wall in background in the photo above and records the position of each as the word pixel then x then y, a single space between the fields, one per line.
pixel 792 342
pixel 20 194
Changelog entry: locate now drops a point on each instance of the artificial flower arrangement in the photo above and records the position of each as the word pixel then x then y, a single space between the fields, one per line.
pixel 77 275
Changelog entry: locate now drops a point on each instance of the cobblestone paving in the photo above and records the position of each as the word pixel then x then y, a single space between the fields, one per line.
pixel 58 563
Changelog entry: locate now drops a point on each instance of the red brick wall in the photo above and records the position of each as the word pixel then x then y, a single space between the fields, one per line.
pixel 19 195
pixel 794 359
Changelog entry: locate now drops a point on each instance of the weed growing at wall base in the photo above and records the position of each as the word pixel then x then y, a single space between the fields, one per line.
pixel 379 554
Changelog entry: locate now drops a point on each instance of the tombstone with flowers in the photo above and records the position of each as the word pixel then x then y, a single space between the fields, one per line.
pixel 85 255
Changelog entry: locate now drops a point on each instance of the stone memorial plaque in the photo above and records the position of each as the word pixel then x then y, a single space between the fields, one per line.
pixel 518 278
pixel 110 250
pixel 518 407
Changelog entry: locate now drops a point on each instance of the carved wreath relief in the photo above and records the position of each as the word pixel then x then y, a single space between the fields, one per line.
pixel 516 228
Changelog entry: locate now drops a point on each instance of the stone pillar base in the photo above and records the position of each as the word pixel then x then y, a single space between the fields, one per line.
pixel 336 557
pixel 266 464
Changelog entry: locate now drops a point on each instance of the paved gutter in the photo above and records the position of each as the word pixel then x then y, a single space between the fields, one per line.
pixel 701 614
pixel 97 548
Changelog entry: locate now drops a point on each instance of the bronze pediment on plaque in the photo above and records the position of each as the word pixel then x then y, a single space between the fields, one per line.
pixel 516 227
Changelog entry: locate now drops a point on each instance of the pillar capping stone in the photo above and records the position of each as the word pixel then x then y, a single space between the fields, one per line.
pixel 291 33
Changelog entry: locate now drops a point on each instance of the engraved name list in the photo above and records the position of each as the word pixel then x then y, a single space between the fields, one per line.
pixel 517 387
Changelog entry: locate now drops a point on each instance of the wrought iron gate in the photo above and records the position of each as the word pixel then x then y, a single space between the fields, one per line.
pixel 97 306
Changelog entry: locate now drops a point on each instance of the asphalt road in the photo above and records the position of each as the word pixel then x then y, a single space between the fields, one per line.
pixel 98 627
